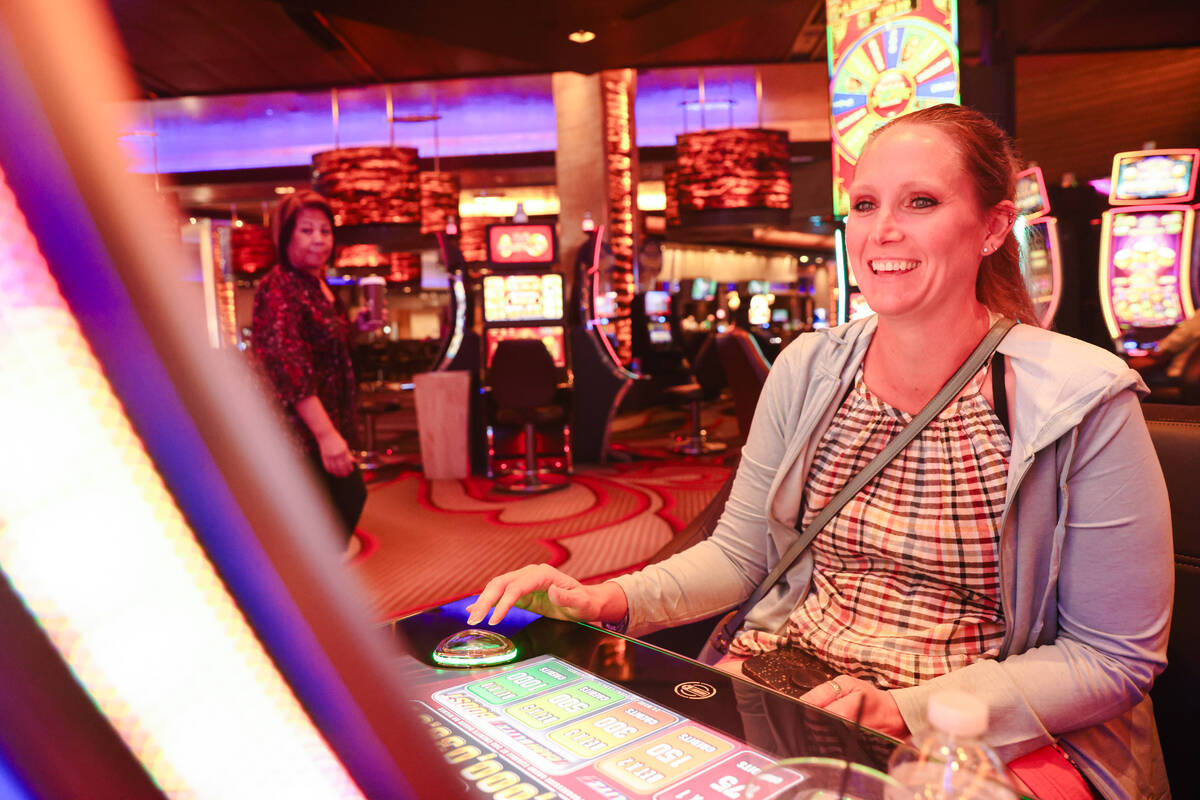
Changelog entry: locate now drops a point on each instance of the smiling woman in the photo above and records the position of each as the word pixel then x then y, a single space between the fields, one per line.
pixel 982 555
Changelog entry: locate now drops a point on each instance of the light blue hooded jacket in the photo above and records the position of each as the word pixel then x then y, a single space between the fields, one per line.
pixel 1086 554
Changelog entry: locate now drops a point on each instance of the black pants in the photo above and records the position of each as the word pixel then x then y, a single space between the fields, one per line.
pixel 348 495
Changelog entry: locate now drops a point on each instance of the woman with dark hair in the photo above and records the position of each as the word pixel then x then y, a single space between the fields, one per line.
pixel 301 340
pixel 1017 548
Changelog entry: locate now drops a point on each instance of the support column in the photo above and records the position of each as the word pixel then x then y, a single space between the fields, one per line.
pixel 597 169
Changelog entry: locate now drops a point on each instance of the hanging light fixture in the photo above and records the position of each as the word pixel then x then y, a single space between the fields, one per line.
pixel 736 175
pixel 368 185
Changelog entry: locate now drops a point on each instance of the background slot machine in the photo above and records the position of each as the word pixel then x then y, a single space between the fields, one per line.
pixel 523 297
pixel 1041 256
pixel 658 320
pixel 1147 251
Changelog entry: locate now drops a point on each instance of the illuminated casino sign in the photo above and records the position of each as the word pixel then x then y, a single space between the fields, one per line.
pixel 521 244
pixel 885 59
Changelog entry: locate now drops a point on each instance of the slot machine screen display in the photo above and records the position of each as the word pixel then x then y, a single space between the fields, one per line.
pixel 545 728
pixel 759 312
pixel 658 304
pixel 660 333
pixel 1143 249
pixel 521 244
pixel 1164 175
pixel 1037 263
pixel 703 289
pixel 606 305
pixel 520 298
pixel 551 336
pixel 1031 194
pixel 780 315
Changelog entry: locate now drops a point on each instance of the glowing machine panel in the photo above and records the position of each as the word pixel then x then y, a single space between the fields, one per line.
pixel 521 244
pixel 519 298
pixel 551 335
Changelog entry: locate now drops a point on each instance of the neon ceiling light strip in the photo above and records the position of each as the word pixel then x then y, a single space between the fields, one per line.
pixel 107 564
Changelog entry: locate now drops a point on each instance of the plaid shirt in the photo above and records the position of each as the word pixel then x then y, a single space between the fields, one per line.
pixel 906 583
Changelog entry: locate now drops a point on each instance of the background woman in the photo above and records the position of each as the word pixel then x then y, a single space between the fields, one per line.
pixel 1019 548
pixel 301 340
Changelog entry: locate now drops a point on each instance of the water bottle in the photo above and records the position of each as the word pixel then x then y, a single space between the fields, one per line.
pixel 951 761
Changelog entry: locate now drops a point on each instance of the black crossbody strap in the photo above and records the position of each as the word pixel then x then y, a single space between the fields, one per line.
pixel 948 392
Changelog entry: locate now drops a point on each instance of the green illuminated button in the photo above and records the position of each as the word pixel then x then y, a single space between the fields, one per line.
pixel 552 708
pixel 519 684
pixel 474 647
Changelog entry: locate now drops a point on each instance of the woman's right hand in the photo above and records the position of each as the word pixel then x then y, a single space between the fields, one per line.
pixel 544 590
pixel 335 454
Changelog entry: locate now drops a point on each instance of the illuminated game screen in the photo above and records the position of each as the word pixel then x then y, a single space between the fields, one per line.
pixel 703 289
pixel 547 729
pixel 759 312
pixel 606 305
pixel 551 336
pixel 658 304
pixel 1162 175
pixel 1031 193
pixel 1038 265
pixel 521 244
pixel 518 298
pixel 660 333
pixel 1143 250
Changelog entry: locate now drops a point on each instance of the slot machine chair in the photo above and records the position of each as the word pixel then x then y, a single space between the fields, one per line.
pixel 745 370
pixel 1175 431
pixel 523 391
pixel 707 380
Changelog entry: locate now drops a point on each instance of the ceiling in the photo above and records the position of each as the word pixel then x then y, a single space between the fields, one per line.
pixel 183 48
pixel 197 47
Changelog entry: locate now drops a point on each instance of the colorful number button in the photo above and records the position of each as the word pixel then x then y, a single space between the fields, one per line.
pixel 665 758
pixel 608 730
pixel 572 702
pixel 518 684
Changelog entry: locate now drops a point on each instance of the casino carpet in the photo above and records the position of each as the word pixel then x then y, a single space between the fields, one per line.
pixel 425 543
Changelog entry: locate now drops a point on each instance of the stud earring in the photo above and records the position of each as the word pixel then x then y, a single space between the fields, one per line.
pixel 986 249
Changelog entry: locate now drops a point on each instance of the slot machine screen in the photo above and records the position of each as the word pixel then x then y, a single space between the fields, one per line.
pixel 1143 249
pixel 606 305
pixel 759 312
pixel 521 244
pixel 1031 193
pixel 703 289
pixel 658 304
pixel 1154 175
pixel 519 298
pixel 1037 263
pixel 780 315
pixel 660 333
pixel 551 336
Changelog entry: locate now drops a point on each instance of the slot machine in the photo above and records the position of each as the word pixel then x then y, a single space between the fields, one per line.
pixel 1148 260
pixel 523 297
pixel 658 320
pixel 1041 256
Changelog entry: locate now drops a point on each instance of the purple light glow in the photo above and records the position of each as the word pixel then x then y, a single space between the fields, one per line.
pixel 478 117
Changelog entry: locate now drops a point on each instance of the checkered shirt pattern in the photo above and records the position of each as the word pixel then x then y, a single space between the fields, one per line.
pixel 906 582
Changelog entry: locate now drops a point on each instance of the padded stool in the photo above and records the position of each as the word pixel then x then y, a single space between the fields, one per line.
pixel 531 480
pixel 524 391
pixel 369 457
pixel 696 442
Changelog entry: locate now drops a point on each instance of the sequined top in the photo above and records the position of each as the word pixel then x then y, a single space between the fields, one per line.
pixel 301 344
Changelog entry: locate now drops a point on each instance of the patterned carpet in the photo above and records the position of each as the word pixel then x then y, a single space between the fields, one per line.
pixel 428 542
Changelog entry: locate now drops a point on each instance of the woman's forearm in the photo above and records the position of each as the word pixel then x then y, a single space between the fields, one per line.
pixel 316 418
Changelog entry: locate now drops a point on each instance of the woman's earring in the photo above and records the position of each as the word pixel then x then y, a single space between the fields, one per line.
pixel 986 249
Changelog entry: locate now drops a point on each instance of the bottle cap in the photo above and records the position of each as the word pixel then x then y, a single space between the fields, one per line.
pixel 958 713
